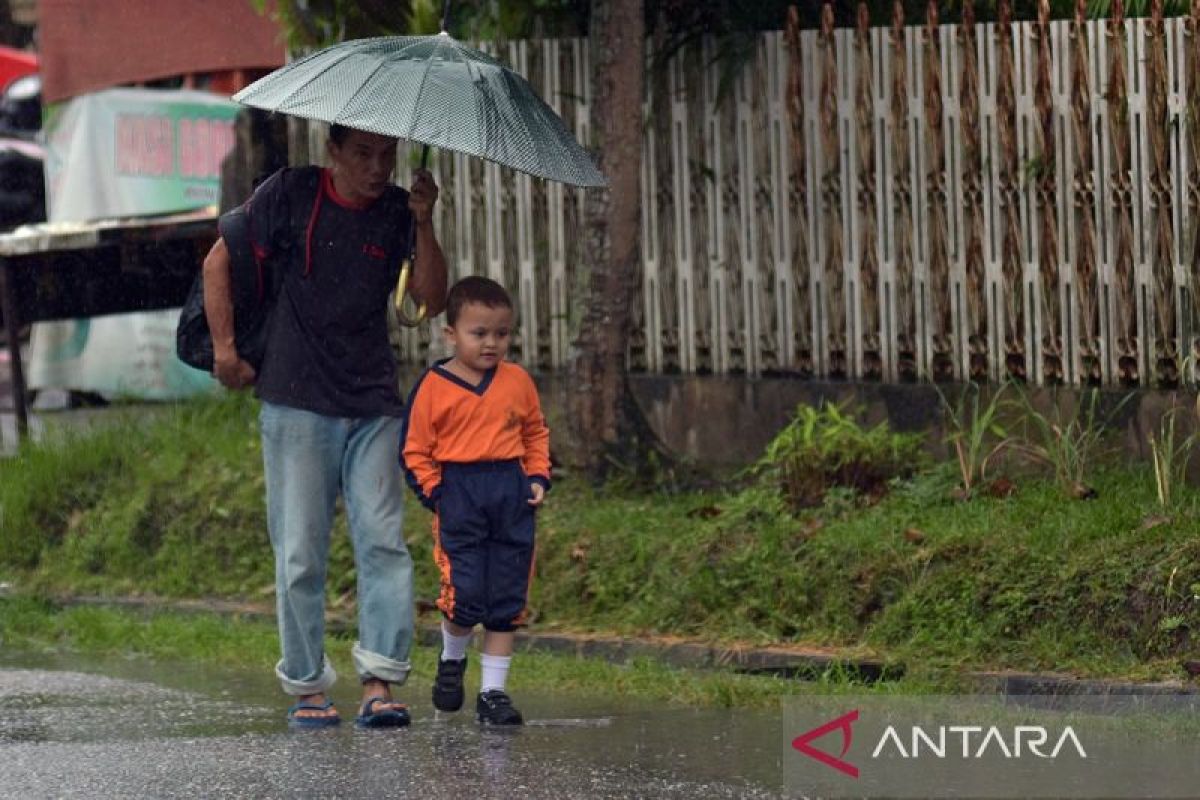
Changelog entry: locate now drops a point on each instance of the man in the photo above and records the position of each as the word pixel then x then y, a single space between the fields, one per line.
pixel 331 411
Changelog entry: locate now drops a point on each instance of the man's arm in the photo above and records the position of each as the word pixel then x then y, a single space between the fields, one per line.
pixel 228 367
pixel 430 277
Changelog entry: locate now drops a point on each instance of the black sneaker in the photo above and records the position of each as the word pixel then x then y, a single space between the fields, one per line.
pixel 494 707
pixel 448 686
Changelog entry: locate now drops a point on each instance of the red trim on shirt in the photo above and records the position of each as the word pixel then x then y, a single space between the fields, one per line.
pixel 328 188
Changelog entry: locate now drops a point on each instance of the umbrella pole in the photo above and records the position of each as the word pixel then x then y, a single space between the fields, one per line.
pixel 407 266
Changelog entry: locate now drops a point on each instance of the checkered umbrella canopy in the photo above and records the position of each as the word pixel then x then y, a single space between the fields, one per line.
pixel 433 90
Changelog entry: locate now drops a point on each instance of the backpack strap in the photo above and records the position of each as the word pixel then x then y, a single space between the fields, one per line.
pixel 304 208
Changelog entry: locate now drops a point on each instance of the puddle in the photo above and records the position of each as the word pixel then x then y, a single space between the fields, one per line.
pixel 130 717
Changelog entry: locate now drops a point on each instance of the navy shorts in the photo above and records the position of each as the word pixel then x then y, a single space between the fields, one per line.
pixel 483 543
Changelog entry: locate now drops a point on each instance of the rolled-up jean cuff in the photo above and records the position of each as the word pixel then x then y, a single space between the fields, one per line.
pixel 372 665
pixel 300 688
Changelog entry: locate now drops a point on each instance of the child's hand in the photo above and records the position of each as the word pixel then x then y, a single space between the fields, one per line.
pixel 539 494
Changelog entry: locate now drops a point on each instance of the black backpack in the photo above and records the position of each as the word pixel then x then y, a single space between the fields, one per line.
pixel 254 285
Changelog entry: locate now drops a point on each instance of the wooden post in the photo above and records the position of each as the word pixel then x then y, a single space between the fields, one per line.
pixel 1165 370
pixel 1016 359
pixel 975 361
pixel 940 363
pixel 1190 349
pixel 839 363
pixel 12 329
pixel 1084 201
pixel 871 366
pixel 1044 171
pixel 907 349
pixel 1120 180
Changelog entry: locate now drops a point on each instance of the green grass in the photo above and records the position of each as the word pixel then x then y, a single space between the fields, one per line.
pixel 39 626
pixel 1028 582
pixel 36 625
pixel 172 506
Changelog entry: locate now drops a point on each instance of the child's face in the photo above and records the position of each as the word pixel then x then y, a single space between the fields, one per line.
pixel 480 335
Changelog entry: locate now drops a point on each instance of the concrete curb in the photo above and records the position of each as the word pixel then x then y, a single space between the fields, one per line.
pixel 783 662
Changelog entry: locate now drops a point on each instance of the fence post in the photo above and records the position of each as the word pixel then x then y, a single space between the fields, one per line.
pixel 1016 361
pixel 1123 318
pixel 1044 169
pixel 831 196
pixel 941 362
pixel 1162 255
pixel 782 331
pixel 799 197
pixel 556 235
pixel 1190 248
pixel 906 358
pixel 868 234
pixel 974 342
pixel 717 239
pixel 1084 200
pixel 652 288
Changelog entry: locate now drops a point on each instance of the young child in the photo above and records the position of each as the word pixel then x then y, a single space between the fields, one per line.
pixel 477 452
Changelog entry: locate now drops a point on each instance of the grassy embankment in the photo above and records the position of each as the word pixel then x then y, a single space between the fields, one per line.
pixel 172 506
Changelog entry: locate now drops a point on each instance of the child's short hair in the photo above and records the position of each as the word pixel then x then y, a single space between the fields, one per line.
pixel 475 289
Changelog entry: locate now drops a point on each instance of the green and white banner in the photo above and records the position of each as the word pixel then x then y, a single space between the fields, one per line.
pixel 132 152
pixel 128 153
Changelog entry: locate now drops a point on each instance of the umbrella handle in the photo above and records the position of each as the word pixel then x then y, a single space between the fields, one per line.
pixel 406 265
pixel 402 291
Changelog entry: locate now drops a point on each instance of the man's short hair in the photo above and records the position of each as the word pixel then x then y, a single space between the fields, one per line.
pixel 338 134
pixel 475 289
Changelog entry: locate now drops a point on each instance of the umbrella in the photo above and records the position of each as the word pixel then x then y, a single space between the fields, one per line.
pixel 433 90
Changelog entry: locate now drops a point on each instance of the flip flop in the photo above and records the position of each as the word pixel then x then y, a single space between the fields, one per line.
pixel 296 721
pixel 387 718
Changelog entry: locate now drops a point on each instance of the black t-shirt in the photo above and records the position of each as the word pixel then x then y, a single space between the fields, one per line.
pixel 327 347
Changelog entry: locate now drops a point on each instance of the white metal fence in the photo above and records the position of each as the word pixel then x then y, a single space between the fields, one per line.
pixel 911 208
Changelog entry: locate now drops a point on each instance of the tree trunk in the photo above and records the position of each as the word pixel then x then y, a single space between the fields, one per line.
pixel 609 427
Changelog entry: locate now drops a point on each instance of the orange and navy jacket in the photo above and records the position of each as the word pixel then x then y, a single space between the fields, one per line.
pixel 449 420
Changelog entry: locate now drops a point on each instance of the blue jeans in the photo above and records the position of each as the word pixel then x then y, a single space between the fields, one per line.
pixel 309 458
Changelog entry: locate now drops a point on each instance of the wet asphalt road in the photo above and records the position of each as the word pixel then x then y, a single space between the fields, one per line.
pixel 137 730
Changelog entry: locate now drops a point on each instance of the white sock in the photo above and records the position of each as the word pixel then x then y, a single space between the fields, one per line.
pixel 454 648
pixel 494 672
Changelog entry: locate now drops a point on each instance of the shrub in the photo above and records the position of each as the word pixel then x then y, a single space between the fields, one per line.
pixel 1171 455
pixel 974 432
pixel 1069 442
pixel 825 448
